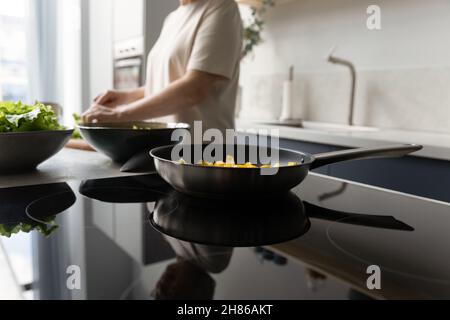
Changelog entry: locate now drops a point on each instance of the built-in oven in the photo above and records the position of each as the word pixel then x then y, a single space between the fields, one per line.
pixel 129 64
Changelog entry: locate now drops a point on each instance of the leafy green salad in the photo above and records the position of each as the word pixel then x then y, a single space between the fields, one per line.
pixel 20 117
pixel 76 133
pixel 46 228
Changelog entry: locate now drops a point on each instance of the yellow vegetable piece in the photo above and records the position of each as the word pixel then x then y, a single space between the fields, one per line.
pixel 205 163
pixel 229 160
pixel 250 165
pixel 229 163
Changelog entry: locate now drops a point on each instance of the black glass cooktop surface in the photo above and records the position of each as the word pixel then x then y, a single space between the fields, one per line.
pixel 136 238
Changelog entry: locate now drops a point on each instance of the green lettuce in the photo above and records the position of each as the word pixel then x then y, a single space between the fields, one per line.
pixel 76 133
pixel 19 117
pixel 46 228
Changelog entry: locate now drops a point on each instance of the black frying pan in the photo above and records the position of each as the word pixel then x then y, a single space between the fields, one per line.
pixel 219 182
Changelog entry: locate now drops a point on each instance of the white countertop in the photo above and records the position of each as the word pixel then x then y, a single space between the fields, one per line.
pixel 435 145
pixel 67 165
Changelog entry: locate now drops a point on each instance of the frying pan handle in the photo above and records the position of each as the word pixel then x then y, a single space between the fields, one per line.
pixel 392 151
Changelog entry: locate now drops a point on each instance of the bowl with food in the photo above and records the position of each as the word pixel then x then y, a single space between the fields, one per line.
pixel 29 135
pixel 122 141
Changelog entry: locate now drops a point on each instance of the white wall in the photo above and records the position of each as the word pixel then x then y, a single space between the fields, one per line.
pixel 403 69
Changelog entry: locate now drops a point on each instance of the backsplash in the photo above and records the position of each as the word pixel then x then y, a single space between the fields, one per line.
pixel 410 99
pixel 403 70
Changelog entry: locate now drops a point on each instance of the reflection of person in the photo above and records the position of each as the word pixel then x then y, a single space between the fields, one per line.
pixel 188 277
pixel 183 280
pixel 192 74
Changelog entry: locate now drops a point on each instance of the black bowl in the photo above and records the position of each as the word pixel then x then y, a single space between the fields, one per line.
pixel 24 151
pixel 121 141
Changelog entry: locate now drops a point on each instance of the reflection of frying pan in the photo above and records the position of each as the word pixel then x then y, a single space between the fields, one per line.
pixel 236 224
pixel 33 204
pixel 374 221
pixel 247 223
pixel 219 182
pixel 250 223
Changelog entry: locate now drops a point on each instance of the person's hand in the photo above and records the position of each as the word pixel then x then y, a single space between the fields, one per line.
pixel 115 98
pixel 109 106
pixel 99 113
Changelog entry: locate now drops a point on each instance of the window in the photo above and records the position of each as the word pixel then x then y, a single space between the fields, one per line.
pixel 13 69
pixel 16 253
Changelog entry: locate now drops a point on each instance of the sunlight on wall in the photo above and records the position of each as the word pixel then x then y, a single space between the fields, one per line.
pixel 14 8
pixel 13 74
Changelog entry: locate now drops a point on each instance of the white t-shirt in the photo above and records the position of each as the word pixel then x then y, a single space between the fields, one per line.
pixel 204 35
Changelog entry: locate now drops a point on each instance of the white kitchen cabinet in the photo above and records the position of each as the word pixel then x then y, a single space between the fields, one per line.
pixel 112 21
pixel 128 17
pixel 100 47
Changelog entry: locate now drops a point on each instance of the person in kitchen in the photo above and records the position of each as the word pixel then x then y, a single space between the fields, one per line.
pixel 192 71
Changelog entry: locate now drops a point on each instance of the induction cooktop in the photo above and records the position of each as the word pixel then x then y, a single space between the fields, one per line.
pixel 141 225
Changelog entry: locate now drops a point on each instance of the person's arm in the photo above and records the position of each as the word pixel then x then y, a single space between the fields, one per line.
pixel 188 91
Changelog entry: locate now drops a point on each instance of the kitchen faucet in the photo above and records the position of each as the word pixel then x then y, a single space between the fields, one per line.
pixel 331 58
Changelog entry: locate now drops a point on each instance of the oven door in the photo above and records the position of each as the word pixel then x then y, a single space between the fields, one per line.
pixel 128 73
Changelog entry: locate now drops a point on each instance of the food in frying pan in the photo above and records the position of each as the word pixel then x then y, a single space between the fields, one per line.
pixel 20 117
pixel 230 163
pixel 135 127
pixel 181 161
